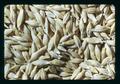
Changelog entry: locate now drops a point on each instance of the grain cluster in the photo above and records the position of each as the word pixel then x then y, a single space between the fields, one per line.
pixel 59 42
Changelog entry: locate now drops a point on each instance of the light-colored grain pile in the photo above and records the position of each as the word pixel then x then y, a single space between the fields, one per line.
pixel 60 42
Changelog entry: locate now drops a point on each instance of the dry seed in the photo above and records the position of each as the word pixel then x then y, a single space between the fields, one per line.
pixel 38 53
pixel 51 43
pixel 65 37
pixel 6 70
pixel 77 8
pixel 80 75
pixel 92 54
pixel 86 53
pixel 56 38
pixel 108 51
pixel 50 76
pixel 112 29
pixel 106 60
pixel 69 25
pixel 99 28
pixel 12 75
pixel 76 60
pixel 93 62
pixel 94 40
pixel 66 78
pixel 40 7
pixel 88 29
pixel 64 74
pixel 84 16
pixel 57 62
pixel 12 14
pixel 81 25
pixel 20 18
pixel 77 41
pixel 97 53
pixel 98 77
pixel 66 17
pixel 75 73
pixel 68 43
pixel 103 53
pixel 40 62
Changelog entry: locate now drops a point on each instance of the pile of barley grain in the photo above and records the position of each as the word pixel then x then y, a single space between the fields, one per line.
pixel 60 42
